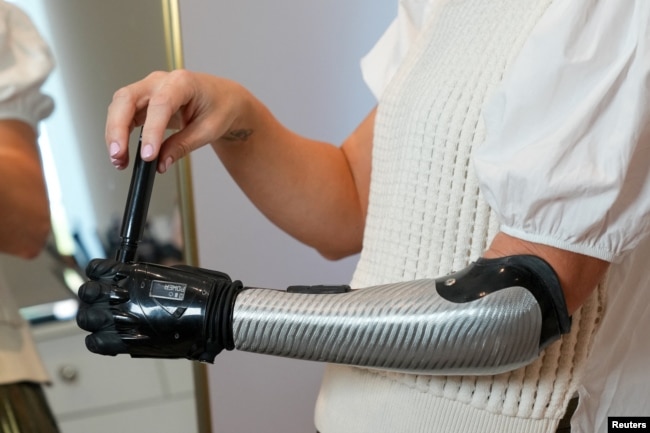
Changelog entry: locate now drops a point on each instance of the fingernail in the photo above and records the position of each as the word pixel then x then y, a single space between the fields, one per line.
pixel 114 149
pixel 168 162
pixel 147 151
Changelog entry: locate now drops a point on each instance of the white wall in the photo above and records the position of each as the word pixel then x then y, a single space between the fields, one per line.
pixel 302 59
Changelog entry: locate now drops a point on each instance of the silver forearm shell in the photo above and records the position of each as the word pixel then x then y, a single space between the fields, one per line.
pixel 403 326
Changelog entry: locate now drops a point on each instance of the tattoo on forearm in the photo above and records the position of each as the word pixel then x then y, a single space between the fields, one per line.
pixel 238 135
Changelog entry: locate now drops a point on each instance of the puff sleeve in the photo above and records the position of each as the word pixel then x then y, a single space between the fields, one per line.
pixel 385 57
pixel 25 63
pixel 566 161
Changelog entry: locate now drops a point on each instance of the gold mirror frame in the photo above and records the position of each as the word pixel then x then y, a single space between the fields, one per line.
pixel 173 44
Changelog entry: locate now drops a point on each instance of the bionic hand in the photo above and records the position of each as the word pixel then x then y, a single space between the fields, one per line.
pixel 149 310
pixel 493 316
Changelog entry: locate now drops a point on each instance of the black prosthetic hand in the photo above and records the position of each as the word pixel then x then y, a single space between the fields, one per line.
pixel 153 311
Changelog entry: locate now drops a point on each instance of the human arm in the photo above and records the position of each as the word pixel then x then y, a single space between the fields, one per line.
pixel 137 288
pixel 315 191
pixel 26 63
pixel 25 216
pixel 147 310
pixel 578 274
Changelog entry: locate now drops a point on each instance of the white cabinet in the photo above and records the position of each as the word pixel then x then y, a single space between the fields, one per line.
pixel 94 393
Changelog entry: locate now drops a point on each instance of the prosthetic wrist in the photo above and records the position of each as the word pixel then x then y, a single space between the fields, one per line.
pixel 494 316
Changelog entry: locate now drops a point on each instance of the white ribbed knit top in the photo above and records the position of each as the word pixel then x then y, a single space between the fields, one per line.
pixel 427 218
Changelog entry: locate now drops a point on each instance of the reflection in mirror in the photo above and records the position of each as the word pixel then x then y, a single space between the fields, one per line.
pixel 99 47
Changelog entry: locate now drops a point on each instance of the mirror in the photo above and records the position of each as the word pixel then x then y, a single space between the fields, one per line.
pixel 100 46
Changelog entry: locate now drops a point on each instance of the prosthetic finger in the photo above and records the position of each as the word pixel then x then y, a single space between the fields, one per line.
pixel 94 291
pixel 107 270
pixel 492 317
pixel 106 343
pixel 95 317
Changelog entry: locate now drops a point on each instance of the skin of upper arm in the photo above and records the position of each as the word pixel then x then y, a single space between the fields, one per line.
pixel 25 217
pixel 357 149
pixel 579 275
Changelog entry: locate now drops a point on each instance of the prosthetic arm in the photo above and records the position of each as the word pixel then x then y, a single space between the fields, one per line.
pixel 493 316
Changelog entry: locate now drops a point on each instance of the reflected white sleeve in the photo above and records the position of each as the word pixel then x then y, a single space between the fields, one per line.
pixel 26 62
pixel 567 155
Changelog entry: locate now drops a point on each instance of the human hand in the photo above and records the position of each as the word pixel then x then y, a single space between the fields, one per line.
pixel 154 311
pixel 202 108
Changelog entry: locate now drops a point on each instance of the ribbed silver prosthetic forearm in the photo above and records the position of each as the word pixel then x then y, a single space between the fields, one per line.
pixel 404 326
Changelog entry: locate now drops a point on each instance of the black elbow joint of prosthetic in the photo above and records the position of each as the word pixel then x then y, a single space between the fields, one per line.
pixel 527 271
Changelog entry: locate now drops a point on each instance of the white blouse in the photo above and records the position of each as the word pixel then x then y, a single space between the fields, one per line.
pixel 567 153
pixel 566 163
pixel 25 63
